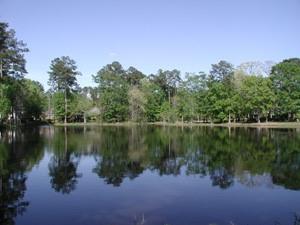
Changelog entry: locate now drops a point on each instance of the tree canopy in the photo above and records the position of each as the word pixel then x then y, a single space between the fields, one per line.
pixel 253 91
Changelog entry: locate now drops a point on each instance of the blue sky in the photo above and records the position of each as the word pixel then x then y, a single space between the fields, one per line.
pixel 188 35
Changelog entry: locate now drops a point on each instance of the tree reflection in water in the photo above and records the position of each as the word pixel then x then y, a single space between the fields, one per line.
pixel 250 157
pixel 19 152
pixel 247 156
pixel 63 166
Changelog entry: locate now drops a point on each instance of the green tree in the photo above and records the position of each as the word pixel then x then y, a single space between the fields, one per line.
pixel 168 81
pixel 222 95
pixel 79 106
pixel 257 95
pixel 186 98
pixel 217 102
pixel 134 76
pixel 285 77
pixel 113 90
pixel 63 77
pixel 12 61
pixel 194 87
pixel 58 102
pixel 222 71
pixel 34 99
pixel 154 99
pixel 5 102
pixel 137 102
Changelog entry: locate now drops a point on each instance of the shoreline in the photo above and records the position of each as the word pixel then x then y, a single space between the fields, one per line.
pixel 180 124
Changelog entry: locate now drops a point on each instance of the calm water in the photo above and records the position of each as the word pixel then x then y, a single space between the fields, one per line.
pixel 149 175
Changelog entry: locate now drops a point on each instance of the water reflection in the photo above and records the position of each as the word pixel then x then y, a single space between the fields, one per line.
pixel 63 165
pixel 247 156
pixel 250 157
pixel 19 152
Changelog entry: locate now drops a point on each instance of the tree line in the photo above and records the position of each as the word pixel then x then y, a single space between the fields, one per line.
pixel 251 92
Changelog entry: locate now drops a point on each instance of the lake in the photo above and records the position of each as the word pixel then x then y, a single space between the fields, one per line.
pixel 149 175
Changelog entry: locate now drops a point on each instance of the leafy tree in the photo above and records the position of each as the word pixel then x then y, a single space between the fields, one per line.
pixel 221 72
pixel 154 99
pixel 90 93
pixel 34 99
pixel 168 113
pixel 63 77
pixel 113 90
pixel 195 86
pixel 285 77
pixel 134 76
pixel 222 95
pixel 168 81
pixel 12 61
pixel 5 102
pixel 58 100
pixel 79 107
pixel 13 92
pixel 218 102
pixel 137 102
pixel 257 96
pixel 186 98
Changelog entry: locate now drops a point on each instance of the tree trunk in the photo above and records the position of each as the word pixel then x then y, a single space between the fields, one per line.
pixel 289 116
pixel 49 107
pixel 169 145
pixel 258 118
pixel 84 117
pixel 1 69
pixel 169 96
pixel 181 119
pixel 66 107
pixel 229 118
pixel 66 141
pixel 14 117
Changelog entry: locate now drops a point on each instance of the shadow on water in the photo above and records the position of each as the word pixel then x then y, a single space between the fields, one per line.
pixel 250 157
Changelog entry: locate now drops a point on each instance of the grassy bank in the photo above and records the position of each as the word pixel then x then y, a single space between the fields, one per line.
pixel 180 124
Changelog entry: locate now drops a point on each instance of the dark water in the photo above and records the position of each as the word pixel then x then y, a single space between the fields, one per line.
pixel 149 175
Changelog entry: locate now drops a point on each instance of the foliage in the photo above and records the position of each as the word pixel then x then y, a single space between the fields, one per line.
pixel 222 71
pixel 154 98
pixel 62 74
pixel 59 106
pixel 137 102
pixel 34 99
pixel 257 96
pixel 252 91
pixel 168 81
pixel 134 76
pixel 113 91
pixel 63 77
pixel 5 102
pixel 12 61
pixel 285 77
